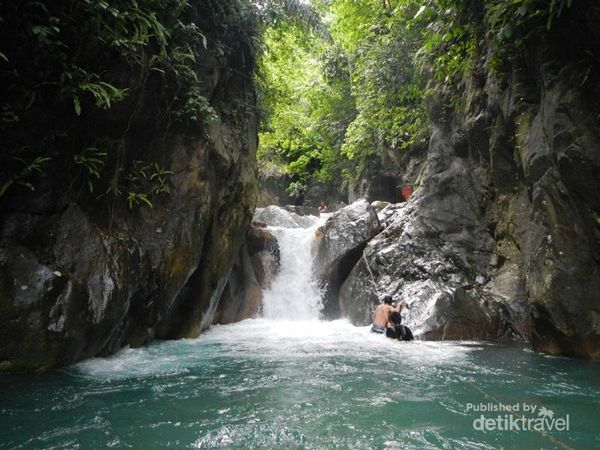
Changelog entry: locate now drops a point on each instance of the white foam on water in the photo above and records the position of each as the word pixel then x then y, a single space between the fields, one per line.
pixel 287 339
pixel 290 328
pixel 156 359
pixel 272 341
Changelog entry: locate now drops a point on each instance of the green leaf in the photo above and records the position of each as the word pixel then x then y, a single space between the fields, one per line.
pixel 77 105
pixel 5 186
pixel 421 10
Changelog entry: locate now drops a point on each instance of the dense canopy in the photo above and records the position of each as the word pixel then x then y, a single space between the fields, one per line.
pixel 342 83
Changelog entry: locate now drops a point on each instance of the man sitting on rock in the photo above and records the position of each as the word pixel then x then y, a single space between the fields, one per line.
pixel 382 314
pixel 395 330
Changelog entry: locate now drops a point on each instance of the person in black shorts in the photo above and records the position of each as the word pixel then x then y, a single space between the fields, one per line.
pixel 395 330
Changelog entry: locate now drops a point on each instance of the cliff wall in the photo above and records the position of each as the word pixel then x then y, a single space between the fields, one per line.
pixel 501 237
pixel 143 250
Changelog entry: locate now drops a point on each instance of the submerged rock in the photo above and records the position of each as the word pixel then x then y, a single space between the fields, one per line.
pixel 340 242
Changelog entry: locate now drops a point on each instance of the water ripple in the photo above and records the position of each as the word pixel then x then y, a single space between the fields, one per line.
pixel 266 384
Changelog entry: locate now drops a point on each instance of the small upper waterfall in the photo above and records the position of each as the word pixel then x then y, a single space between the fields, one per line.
pixel 294 295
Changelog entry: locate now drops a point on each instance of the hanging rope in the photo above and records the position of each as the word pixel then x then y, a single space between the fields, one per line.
pixel 371 274
pixel 378 292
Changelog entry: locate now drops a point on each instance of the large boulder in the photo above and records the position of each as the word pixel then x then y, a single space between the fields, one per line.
pixel 340 242
pixel 264 253
pixel 434 254
pixel 253 271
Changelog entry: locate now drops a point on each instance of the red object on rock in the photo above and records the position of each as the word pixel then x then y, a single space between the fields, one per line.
pixel 406 192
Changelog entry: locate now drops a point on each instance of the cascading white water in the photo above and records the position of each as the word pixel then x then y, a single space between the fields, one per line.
pixel 287 380
pixel 294 295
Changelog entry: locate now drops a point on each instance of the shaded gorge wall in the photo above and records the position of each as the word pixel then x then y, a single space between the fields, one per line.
pixel 142 192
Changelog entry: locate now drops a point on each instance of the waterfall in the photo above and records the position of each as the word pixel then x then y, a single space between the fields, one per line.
pixel 294 294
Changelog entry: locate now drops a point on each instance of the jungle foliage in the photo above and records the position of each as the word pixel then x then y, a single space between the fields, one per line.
pixel 333 105
pixel 91 88
pixel 460 36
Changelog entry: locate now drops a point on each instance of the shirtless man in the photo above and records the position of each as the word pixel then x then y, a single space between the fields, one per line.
pixel 381 314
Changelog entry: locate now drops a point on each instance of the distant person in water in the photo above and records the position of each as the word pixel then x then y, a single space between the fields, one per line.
pixel 396 330
pixel 382 314
pixel 323 207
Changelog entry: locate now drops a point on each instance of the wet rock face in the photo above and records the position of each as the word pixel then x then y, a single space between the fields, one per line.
pixel 487 249
pixel 544 168
pixel 431 254
pixel 303 210
pixel 75 283
pixel 340 243
pixel 272 185
pixel 254 269
pixel 561 245
pixel 502 236
pixel 264 253
pixel 544 150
